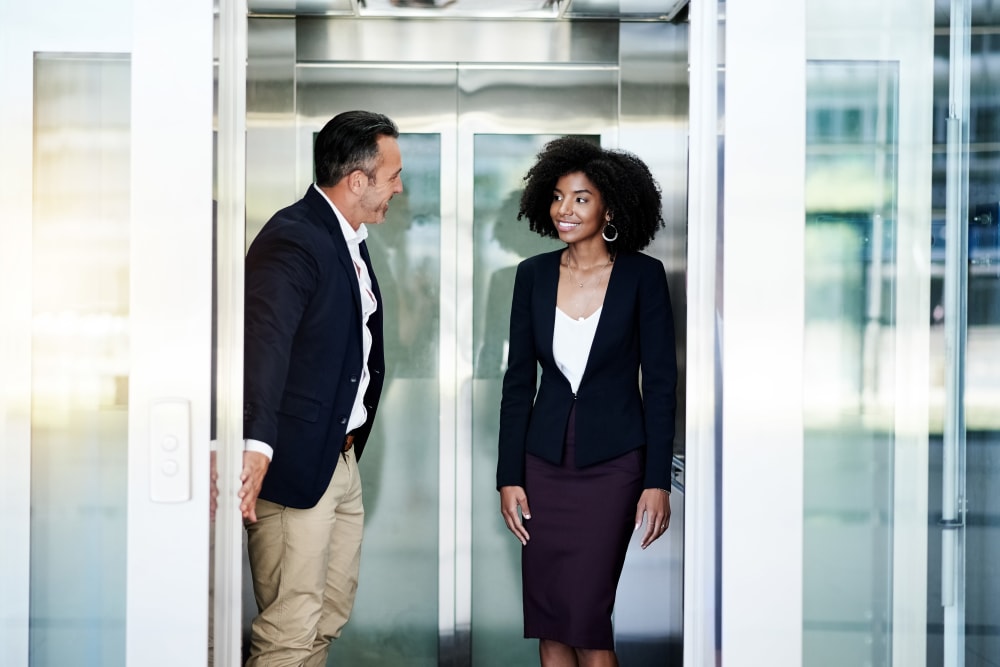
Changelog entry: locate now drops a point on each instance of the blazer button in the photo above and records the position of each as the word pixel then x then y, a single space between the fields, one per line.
pixel 247 411
pixel 354 378
pixel 343 420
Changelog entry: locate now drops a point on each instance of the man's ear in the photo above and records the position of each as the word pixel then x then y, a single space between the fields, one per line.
pixel 356 181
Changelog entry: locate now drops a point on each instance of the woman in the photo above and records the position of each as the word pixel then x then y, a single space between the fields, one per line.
pixel 587 457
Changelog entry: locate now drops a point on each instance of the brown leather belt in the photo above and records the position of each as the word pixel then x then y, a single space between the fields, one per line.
pixel 348 442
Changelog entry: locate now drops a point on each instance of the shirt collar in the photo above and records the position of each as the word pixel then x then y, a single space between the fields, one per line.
pixel 350 235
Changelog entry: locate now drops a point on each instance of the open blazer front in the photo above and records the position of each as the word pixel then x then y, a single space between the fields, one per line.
pixel 612 415
pixel 303 349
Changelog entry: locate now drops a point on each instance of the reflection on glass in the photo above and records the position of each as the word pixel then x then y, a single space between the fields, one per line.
pixel 395 618
pixel 848 368
pixel 500 242
pixel 79 418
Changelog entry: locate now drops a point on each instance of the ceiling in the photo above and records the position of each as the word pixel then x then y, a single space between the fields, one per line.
pixel 493 9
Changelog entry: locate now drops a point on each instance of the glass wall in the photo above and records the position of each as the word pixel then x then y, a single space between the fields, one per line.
pixel 865 394
pixel 849 349
pixel 901 320
pixel 80 360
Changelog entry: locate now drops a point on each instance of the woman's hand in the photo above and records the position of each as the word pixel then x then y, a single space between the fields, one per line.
pixel 512 498
pixel 655 504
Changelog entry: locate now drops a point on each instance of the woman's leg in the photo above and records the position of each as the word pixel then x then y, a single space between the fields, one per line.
pixel 556 654
pixel 596 658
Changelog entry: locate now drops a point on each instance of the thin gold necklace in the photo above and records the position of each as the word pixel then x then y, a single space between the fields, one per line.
pixel 572 275
pixel 597 286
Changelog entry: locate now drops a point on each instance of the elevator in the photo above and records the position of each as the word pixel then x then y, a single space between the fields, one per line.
pixel 475 100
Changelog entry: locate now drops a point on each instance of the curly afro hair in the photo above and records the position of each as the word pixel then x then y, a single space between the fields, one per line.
pixel 628 189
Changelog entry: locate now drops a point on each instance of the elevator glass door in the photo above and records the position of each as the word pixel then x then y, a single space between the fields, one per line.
pixel 475 101
pixel 439 575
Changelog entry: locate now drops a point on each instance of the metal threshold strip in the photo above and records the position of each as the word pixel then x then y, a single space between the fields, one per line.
pixel 657 10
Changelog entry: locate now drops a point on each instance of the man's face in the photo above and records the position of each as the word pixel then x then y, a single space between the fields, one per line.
pixel 387 183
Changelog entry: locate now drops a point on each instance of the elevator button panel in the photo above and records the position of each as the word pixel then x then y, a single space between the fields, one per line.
pixel 170 451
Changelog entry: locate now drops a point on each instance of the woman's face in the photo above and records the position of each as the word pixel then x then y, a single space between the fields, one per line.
pixel 577 208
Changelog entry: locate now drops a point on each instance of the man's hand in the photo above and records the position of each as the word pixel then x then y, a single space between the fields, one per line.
pixel 254 467
pixel 213 491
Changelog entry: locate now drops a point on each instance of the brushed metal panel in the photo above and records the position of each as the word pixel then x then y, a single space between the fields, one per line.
pixel 654 123
pixel 271 66
pixel 659 9
pixel 397 8
pixel 330 39
pixel 412 96
pixel 478 9
pixel 271 177
pixel 468 8
pixel 561 100
pixel 301 7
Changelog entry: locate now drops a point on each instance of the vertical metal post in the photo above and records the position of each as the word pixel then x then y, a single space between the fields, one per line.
pixel 700 561
pixel 955 325
pixel 230 226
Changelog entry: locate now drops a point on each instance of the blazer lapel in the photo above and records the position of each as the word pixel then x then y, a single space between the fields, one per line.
pixel 332 224
pixel 613 313
pixel 347 263
pixel 548 290
pixel 371 274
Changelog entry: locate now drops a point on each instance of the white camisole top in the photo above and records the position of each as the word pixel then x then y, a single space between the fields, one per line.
pixel 571 343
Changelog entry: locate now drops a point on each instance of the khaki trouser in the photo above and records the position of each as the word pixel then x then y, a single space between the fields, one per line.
pixel 305 567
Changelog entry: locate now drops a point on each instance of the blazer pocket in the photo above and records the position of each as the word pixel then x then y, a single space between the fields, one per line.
pixel 300 407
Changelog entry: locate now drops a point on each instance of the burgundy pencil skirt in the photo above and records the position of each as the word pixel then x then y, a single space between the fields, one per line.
pixel 580 526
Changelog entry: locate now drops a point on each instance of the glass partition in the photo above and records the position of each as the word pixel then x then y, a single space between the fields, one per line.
pixel 900 382
pixel 79 359
pixel 850 340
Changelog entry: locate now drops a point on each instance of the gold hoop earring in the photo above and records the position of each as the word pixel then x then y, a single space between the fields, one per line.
pixel 604 233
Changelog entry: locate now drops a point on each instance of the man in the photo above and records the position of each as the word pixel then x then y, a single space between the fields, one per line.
pixel 313 373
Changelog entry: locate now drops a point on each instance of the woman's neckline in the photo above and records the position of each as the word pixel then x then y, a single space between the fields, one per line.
pixel 579 319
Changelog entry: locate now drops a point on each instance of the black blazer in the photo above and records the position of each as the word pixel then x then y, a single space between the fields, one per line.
pixel 303 349
pixel 618 409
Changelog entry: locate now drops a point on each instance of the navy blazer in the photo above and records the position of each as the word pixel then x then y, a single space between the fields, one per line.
pixel 618 408
pixel 303 351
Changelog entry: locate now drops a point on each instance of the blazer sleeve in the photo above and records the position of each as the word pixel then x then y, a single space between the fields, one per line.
pixel 658 361
pixel 281 276
pixel 519 383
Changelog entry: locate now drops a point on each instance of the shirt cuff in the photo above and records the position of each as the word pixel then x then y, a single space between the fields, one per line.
pixel 259 447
